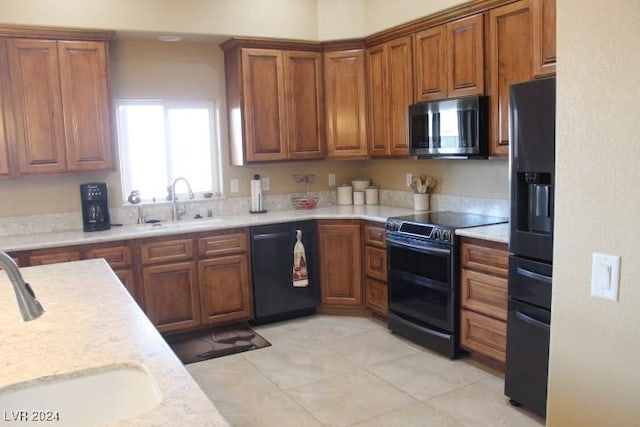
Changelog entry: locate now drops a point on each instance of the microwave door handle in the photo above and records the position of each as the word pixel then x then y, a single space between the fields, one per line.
pixel 533 275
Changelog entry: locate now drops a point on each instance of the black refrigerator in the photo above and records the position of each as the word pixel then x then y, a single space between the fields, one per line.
pixel 532 163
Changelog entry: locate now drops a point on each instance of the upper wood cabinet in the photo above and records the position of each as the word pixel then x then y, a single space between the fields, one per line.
pixel 543 14
pixel 275 101
pixel 57 116
pixel 449 59
pixel 390 92
pixel 510 61
pixel 344 84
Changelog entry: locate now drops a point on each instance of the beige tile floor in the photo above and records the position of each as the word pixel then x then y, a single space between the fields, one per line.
pixel 351 371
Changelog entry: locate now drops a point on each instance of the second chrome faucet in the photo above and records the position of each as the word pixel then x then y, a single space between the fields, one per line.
pixel 176 213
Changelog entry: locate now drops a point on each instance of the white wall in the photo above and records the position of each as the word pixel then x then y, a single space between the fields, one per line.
pixel 595 344
pixel 383 14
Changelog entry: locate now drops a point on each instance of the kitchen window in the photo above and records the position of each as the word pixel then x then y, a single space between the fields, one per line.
pixel 161 140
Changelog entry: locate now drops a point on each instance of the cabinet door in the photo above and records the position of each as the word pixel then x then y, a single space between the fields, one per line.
pixel 304 98
pixel 225 290
pixel 345 104
pixel 127 278
pixel 116 256
pixel 53 256
pixel 465 61
pixel 430 54
pixel 378 104
pixel 36 105
pixel 171 295
pixel 400 81
pixel 341 265
pixel 376 295
pixel 543 14
pixel 264 123
pixel 375 263
pixel 86 105
pixel 483 334
pixel 509 62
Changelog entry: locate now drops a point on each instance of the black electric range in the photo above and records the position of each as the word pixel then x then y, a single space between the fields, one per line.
pixel 423 276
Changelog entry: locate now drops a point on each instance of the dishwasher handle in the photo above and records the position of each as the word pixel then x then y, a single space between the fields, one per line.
pixel 265 236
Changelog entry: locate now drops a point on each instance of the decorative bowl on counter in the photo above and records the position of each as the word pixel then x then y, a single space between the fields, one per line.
pixel 304 202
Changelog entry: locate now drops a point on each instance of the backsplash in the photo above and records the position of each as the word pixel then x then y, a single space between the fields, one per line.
pixel 128 215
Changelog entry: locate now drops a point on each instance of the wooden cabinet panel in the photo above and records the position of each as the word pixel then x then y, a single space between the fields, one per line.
pixel 375 235
pixel 304 100
pixel 375 263
pixel 484 335
pixel 484 293
pixel 344 84
pixel 489 258
pixel 53 256
pixel 376 295
pixel 510 61
pixel 264 108
pixel 390 91
pixel 166 251
pixel 225 290
pixel 340 264
pixel 222 244
pixel 86 108
pixel 543 14
pixel 116 256
pixel 171 295
pixel 430 53
pixel 127 278
pixel 5 107
pixel 465 62
pixel 36 105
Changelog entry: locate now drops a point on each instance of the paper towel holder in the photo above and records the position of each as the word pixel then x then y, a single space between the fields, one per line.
pixel 256 182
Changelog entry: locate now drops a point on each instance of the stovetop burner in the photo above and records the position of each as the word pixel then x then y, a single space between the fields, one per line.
pixel 438 225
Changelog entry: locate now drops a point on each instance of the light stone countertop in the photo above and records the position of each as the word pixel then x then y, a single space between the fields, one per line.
pixel 376 213
pixel 91 322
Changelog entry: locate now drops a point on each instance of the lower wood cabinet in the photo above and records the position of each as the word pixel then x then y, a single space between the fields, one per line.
pixel 483 301
pixel 375 268
pixel 172 295
pixel 376 295
pixel 225 290
pixel 340 263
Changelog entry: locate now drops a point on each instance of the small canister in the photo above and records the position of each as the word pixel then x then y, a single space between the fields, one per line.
pixel 358 197
pixel 371 195
pixel 345 195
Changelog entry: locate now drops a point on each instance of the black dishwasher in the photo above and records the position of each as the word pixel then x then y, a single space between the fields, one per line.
pixel 285 284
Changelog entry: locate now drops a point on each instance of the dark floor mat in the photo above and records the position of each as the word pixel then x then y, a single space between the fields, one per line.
pixel 198 346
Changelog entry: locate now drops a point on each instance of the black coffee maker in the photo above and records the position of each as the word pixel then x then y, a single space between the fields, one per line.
pixel 95 206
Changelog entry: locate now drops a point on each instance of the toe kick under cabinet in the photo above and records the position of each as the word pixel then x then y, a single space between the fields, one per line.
pixel 483 314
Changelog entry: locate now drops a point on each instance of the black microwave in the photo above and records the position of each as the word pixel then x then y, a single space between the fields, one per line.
pixel 450 129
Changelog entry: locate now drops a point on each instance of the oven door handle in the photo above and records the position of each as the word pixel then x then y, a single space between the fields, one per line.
pixel 426 249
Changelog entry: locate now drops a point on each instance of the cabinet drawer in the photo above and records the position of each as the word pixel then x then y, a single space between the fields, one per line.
pixel 166 251
pixel 117 256
pixel 375 235
pixel 492 258
pixel 376 295
pixel 375 263
pixel 42 258
pixel 483 334
pixel 484 293
pixel 222 244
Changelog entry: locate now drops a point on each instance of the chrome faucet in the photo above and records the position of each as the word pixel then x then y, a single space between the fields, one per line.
pixel 175 212
pixel 29 306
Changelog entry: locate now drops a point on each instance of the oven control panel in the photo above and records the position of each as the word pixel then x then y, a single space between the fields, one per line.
pixel 422 231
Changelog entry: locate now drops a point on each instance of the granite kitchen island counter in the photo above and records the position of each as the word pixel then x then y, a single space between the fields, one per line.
pixel 91 322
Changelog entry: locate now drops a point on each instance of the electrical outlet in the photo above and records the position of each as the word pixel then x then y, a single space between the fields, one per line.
pixel 235 185
pixel 409 178
pixel 332 180
pixel 266 184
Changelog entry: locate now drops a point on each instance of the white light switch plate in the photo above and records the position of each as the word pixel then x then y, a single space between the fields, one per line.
pixel 235 185
pixel 605 276
pixel 266 184
pixel 332 180
pixel 409 179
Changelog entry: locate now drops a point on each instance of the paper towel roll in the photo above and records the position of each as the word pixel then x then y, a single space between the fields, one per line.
pixel 256 194
pixel 371 196
pixel 345 195
pixel 358 197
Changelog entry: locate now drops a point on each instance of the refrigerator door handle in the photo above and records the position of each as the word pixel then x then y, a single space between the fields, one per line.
pixel 533 275
pixel 532 321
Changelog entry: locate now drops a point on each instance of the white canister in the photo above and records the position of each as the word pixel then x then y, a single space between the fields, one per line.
pixel 345 195
pixel 371 196
pixel 358 197
pixel 421 201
